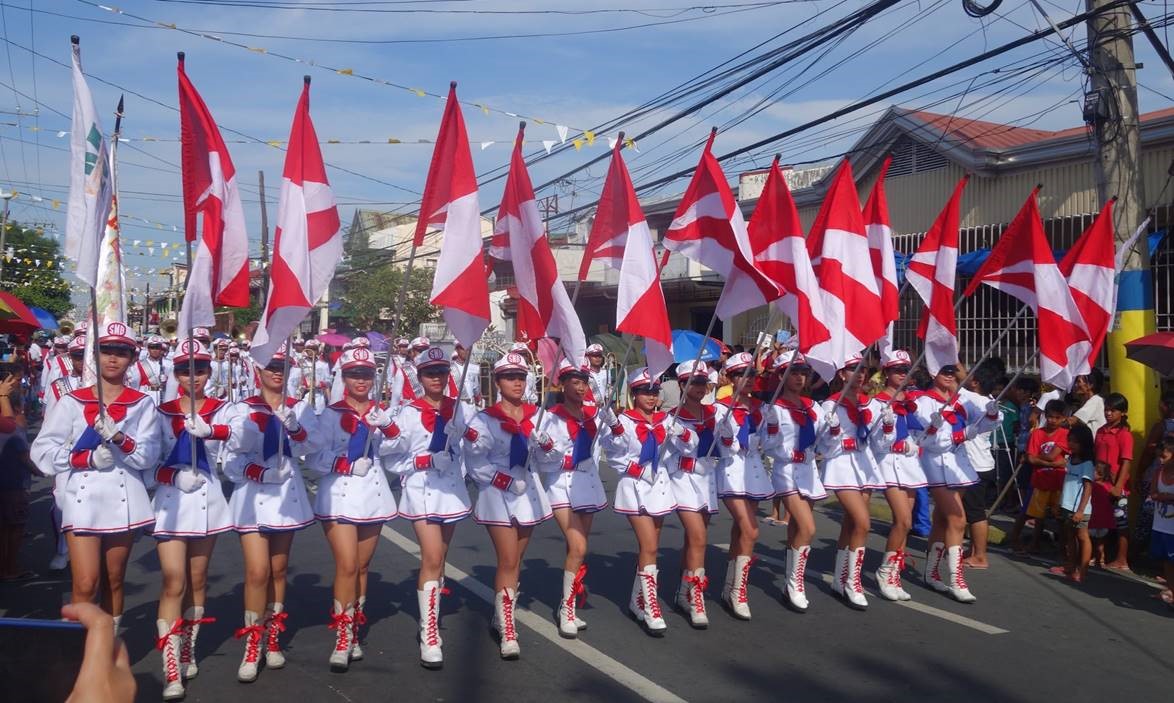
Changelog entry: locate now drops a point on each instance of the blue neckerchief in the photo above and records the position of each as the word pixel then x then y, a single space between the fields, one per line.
pixel 519 449
pixel 704 441
pixel 582 448
pixel 648 449
pixel 748 426
pixel 88 441
pixel 358 442
pixel 806 435
pixel 439 439
pixel 269 446
pixel 181 453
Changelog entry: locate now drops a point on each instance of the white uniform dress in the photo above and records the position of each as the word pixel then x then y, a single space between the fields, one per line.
pixel 112 500
pixel 426 492
pixel 691 465
pixel 943 451
pixel 496 450
pixel 791 437
pixel 204 511
pixel 632 446
pixel 848 463
pixel 343 497
pixel 252 445
pixel 570 469
pixel 741 472
pixel 897 469
pixel 302 375
pixel 148 372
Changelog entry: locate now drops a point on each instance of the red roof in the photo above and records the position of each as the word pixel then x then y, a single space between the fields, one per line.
pixel 993 136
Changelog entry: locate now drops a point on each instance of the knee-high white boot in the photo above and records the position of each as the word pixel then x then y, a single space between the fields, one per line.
pixel 653 620
pixel 275 617
pixel 796 572
pixel 168 645
pixel 853 585
pixel 431 656
pixel 955 579
pixel 504 603
pixel 342 621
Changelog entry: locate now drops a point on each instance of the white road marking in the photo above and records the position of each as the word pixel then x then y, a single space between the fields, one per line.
pixel 912 605
pixel 546 628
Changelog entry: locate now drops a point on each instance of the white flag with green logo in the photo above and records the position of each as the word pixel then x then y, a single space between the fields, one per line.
pixel 89 180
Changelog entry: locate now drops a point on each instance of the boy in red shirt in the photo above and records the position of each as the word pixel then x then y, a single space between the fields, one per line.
pixel 1047 455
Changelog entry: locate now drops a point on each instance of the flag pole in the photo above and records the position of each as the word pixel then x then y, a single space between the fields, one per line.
pixel 738 388
pixel 284 386
pixel 460 392
pixel 190 329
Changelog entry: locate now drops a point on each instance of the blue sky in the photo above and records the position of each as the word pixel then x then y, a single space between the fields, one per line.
pixel 577 80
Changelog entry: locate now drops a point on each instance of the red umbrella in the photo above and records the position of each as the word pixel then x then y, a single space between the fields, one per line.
pixel 15 317
pixel 1154 350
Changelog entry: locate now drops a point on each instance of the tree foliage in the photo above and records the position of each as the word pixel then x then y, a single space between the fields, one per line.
pixel 370 297
pixel 33 273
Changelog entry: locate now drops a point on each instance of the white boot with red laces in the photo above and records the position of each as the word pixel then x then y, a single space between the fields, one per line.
pixel 168 645
pixel 431 656
pixel 253 634
pixel 342 622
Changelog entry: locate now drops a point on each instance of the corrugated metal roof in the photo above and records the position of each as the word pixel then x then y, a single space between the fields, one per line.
pixel 992 136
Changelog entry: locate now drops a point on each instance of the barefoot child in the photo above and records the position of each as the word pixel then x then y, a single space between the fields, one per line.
pixel 1162 540
pixel 1075 507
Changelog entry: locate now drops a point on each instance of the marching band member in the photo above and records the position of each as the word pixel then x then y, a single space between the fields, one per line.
pixel 643 493
pixel 951 415
pixel 63 386
pixel 354 499
pixel 104 445
pixel 793 423
pixel 531 393
pixel 742 480
pixel 896 456
pixel 150 374
pixel 311 377
pixel 471 393
pixel 511 502
pixel 337 392
pixel 416 347
pixel 850 471
pixel 57 363
pixel 218 380
pixel 190 511
pixel 572 484
pixel 601 382
pixel 424 448
pixel 692 471
pixel 268 506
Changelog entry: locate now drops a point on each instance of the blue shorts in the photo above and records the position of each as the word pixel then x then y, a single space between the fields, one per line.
pixel 1162 546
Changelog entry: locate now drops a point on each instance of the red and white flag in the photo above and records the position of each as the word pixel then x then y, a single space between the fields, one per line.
pixel 840 256
pixel 880 245
pixel 708 228
pixel 640 306
pixel 932 272
pixel 220 268
pixel 544 308
pixel 307 245
pixel 780 252
pixel 1090 269
pixel 1021 265
pixel 609 231
pixel 460 286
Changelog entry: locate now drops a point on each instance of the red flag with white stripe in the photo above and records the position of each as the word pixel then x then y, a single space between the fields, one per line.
pixel 609 231
pixel 840 256
pixel 932 272
pixel 708 228
pixel 640 306
pixel 220 268
pixel 780 252
pixel 307 245
pixel 1021 265
pixel 1090 269
pixel 460 286
pixel 880 245
pixel 544 308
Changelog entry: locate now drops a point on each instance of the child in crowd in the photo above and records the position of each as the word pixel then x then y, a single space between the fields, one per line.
pixel 1148 465
pixel 1162 540
pixel 1114 447
pixel 1103 504
pixel 1047 455
pixel 1075 507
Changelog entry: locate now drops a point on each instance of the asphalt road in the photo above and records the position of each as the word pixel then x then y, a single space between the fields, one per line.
pixel 1030 636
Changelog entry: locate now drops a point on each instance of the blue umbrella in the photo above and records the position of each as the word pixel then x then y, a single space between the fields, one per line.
pixel 48 322
pixel 687 342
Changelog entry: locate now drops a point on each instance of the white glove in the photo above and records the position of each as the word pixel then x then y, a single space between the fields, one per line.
pixel 188 480
pixel 936 420
pixel 910 447
pixel 607 416
pixel 101 458
pixel 677 430
pixel 457 422
pixel 105 427
pixel 832 420
pixel 289 420
pixel 199 428
pixel 992 408
pixel 361 466
pixel 442 461
pixel 888 417
pixel 518 487
pixel 540 439
pixel 276 475
pixel 378 417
